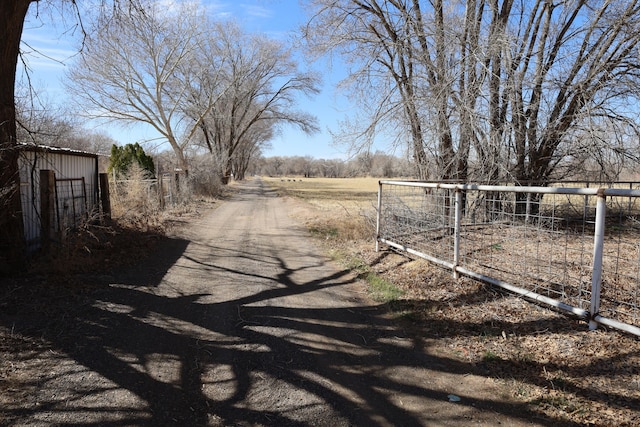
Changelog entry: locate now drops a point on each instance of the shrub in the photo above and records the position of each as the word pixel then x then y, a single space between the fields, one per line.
pixel 123 158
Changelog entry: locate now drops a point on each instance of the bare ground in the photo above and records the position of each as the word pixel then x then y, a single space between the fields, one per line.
pixel 238 319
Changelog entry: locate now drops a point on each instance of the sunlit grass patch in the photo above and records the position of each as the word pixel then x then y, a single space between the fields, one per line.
pixel 382 290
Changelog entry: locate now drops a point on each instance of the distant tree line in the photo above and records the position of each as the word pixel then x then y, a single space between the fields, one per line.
pixel 382 165
pixel 378 164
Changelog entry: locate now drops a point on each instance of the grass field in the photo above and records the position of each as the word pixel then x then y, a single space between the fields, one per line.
pixel 344 209
pixel 353 190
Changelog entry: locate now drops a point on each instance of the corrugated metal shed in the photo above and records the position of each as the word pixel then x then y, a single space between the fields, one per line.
pixel 76 173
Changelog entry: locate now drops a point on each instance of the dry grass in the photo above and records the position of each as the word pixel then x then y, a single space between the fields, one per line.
pixel 351 199
pixel 95 248
pixel 328 191
pixel 137 223
pixel 565 372
pixel 135 202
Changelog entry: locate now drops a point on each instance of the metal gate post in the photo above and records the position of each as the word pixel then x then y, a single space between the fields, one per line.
pixel 456 232
pixel 378 215
pixel 598 243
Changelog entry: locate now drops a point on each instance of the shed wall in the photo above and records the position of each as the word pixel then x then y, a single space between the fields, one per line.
pixel 66 165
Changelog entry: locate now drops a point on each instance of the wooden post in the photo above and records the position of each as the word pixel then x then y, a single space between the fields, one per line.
pixel 105 200
pixel 47 205
pixel 160 183
pixel 160 191
pixel 177 183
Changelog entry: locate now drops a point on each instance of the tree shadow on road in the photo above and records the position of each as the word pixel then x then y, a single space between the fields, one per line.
pixel 132 353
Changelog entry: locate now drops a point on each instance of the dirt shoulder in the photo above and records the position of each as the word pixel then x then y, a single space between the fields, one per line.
pixel 238 318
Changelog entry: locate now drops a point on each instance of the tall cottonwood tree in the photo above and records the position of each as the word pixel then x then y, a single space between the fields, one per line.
pixel 571 67
pixel 261 83
pixel 493 89
pixel 140 69
pixel 254 142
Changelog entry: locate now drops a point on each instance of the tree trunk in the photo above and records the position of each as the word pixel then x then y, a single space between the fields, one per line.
pixel 12 243
pixel 228 171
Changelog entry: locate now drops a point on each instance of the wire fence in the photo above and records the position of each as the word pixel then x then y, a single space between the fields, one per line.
pixel 166 190
pixel 577 249
pixel 71 205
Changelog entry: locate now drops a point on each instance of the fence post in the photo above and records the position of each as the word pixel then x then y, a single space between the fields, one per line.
pixel 378 215
pixel 47 203
pixel 456 231
pixel 105 198
pixel 585 213
pixel 598 243
pixel 630 202
pixel 178 189
pixel 160 191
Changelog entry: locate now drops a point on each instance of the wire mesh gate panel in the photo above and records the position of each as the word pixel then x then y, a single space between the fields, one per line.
pixel 540 242
pixel 71 202
pixel 620 295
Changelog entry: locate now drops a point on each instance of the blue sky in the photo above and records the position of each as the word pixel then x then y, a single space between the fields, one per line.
pixel 52 41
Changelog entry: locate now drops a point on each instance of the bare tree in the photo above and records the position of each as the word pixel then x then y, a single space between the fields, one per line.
pixel 262 82
pixel 44 124
pixel 572 66
pixel 374 39
pixel 494 89
pixel 138 69
pixel 255 141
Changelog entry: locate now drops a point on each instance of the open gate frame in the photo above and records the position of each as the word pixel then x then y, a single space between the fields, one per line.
pixel 577 249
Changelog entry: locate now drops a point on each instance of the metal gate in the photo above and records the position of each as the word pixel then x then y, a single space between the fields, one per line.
pixel 577 249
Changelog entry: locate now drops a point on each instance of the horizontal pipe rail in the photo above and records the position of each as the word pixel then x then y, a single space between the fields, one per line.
pixel 617 192
pixel 524 292
pixel 590 314
pixel 416 253
pixel 617 325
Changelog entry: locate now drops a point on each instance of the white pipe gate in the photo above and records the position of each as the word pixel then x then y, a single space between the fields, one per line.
pixel 576 249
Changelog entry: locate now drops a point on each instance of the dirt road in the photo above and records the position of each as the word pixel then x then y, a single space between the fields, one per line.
pixel 241 321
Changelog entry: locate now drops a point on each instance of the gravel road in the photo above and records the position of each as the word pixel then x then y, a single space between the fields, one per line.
pixel 241 320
